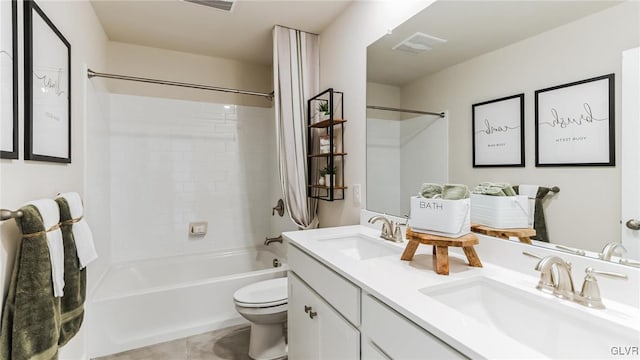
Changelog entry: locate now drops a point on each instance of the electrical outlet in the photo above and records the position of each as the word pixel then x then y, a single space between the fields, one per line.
pixel 357 195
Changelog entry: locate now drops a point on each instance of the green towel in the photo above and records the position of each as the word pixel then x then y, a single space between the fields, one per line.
pixel 494 189
pixel 455 192
pixel 539 221
pixel 31 315
pixel 75 279
pixel 429 190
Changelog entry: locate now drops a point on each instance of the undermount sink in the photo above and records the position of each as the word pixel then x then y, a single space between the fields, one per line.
pixel 546 326
pixel 360 247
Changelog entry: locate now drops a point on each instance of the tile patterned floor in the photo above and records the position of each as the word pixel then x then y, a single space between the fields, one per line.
pixel 230 343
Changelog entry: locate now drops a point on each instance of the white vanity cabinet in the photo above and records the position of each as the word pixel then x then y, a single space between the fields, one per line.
pixel 390 335
pixel 329 317
pixel 316 330
pixel 321 304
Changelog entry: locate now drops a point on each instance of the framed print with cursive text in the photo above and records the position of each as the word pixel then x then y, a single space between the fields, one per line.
pixel 498 132
pixel 575 123
pixel 8 79
pixel 47 72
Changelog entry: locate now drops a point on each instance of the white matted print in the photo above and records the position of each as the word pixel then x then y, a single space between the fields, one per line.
pixel 47 88
pixel 8 80
pixel 575 123
pixel 498 132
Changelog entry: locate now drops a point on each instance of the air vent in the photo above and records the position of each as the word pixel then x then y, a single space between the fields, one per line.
pixel 419 43
pixel 218 4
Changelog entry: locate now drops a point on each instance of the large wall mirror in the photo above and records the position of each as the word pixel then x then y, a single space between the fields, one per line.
pixel 470 52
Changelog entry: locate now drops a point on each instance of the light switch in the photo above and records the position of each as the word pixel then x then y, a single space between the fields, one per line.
pixel 357 196
pixel 198 228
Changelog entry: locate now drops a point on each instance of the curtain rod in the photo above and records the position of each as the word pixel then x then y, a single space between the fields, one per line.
pixel 440 114
pixel 92 74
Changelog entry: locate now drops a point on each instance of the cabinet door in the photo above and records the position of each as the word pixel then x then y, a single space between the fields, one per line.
pixel 302 331
pixel 325 335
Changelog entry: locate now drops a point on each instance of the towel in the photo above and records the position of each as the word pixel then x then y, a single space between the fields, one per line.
pixel 75 275
pixel 494 189
pixel 31 316
pixel 455 192
pixel 429 190
pixel 50 213
pixel 539 221
pixel 81 232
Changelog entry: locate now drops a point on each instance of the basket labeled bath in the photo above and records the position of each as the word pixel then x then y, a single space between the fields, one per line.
pixel 442 210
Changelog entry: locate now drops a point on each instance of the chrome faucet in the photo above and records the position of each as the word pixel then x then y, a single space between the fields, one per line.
pixel 269 240
pixel 590 294
pixel 558 282
pixel 389 231
pixel 610 249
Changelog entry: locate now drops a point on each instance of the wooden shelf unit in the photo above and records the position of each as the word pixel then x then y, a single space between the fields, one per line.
pixel 333 128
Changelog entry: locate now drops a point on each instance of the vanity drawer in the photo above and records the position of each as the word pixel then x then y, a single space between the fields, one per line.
pixel 398 337
pixel 343 295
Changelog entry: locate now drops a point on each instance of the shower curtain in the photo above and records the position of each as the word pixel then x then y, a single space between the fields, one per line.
pixel 296 68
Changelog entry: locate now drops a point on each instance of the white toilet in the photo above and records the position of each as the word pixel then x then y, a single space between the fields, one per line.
pixel 264 304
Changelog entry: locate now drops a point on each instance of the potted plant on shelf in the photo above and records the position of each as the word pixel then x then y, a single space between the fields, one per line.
pixel 324 111
pixel 321 179
pixel 329 172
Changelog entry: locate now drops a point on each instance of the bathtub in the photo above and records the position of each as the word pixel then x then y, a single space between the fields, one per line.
pixel 142 303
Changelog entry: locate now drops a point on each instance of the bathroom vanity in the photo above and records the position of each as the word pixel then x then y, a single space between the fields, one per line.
pixel 351 297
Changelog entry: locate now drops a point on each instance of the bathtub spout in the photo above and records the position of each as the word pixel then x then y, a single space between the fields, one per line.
pixel 269 240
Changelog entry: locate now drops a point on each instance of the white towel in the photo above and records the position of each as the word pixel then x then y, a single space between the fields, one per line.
pixel 530 191
pixel 51 217
pixel 82 235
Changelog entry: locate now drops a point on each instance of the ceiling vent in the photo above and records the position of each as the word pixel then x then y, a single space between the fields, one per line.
pixel 419 43
pixel 225 5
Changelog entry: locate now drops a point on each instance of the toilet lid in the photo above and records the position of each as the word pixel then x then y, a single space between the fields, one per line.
pixel 263 293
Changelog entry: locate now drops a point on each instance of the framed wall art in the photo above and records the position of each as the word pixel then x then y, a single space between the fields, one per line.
pixel 8 80
pixel 575 123
pixel 47 71
pixel 498 132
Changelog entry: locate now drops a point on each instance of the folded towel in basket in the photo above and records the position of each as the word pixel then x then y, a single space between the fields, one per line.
pixel 455 192
pixel 429 190
pixel 494 189
pixel 75 276
pixel 31 316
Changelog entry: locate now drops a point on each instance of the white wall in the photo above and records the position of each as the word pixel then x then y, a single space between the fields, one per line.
pixel 142 61
pixel 383 165
pixel 424 156
pixel 343 63
pixel 21 181
pixel 585 48
pixel 175 162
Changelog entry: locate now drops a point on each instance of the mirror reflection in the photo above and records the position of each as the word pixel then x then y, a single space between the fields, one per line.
pixel 489 50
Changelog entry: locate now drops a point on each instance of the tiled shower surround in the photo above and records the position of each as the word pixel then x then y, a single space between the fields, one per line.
pixel 174 162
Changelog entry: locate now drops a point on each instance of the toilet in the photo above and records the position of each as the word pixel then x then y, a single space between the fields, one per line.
pixel 264 304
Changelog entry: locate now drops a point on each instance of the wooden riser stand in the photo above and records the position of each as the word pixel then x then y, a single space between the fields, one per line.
pixel 441 249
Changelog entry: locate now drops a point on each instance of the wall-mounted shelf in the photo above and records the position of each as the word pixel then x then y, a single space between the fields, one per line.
pixel 325 145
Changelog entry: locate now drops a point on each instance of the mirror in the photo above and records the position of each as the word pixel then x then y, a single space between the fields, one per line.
pixel 491 50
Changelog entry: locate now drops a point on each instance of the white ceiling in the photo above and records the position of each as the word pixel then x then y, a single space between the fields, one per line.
pixel 472 28
pixel 242 34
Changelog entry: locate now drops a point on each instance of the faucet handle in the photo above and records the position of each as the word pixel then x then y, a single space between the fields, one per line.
pixel 590 294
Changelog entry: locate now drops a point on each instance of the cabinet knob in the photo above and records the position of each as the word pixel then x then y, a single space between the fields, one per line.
pixel 307 309
pixel 312 314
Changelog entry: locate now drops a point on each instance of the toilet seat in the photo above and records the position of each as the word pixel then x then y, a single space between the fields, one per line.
pixel 263 294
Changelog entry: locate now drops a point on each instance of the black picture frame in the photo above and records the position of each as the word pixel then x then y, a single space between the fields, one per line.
pixel 47 117
pixel 498 132
pixel 575 123
pixel 11 152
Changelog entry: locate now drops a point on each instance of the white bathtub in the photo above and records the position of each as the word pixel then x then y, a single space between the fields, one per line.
pixel 142 303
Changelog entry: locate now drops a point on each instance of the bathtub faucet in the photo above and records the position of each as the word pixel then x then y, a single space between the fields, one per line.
pixel 269 240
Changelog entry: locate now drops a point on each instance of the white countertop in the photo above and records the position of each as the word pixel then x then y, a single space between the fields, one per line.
pixel 397 283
